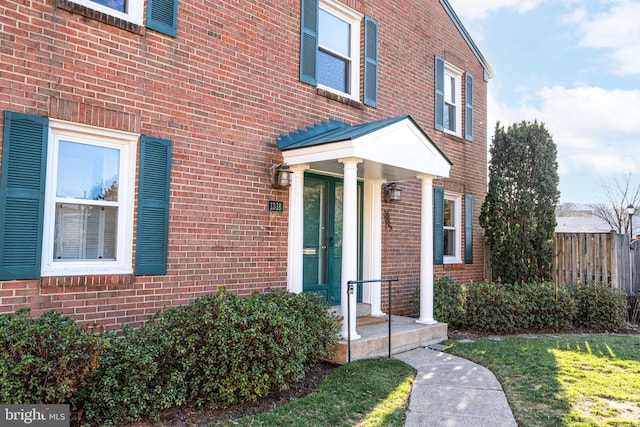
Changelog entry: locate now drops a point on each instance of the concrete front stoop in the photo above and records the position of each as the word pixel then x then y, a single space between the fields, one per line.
pixel 406 334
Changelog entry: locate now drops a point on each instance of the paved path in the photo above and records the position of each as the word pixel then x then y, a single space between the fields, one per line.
pixel 450 391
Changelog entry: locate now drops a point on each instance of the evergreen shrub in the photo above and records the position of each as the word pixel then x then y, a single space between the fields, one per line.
pixel 45 359
pixel 600 307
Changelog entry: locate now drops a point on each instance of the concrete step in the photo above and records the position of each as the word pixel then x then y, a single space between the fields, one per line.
pixel 406 334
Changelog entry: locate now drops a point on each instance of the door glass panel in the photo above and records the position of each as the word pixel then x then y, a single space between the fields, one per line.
pixel 314 249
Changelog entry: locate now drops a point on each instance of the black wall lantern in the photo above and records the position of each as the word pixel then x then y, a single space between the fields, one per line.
pixel 392 192
pixel 280 176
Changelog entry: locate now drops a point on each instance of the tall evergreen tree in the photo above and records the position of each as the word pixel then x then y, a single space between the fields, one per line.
pixel 518 212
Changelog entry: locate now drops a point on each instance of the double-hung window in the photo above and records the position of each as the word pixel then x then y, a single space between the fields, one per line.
pixel 449 243
pixel 330 52
pixel 128 14
pixel 89 200
pixel 452 210
pixel 452 96
pixel 450 101
pixel 127 10
pixel 67 200
pixel 338 49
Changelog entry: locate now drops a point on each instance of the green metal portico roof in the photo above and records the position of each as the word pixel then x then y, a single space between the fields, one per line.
pixel 335 130
pixel 331 131
pixel 397 145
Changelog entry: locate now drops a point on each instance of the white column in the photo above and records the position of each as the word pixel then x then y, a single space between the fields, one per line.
pixel 349 245
pixel 372 245
pixel 426 252
pixel 296 229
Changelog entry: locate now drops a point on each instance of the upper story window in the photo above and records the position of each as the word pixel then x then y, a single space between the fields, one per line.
pixel 128 10
pixel 450 100
pixel 89 200
pixel 331 53
pixel 161 15
pixel 339 49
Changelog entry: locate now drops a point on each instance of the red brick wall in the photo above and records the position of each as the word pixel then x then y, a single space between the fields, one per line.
pixel 222 91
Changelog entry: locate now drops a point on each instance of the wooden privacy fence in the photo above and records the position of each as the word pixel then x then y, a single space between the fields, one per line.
pixel 583 257
pixel 602 257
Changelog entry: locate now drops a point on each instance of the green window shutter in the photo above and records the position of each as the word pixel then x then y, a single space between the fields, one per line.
pixel 438 226
pixel 162 16
pixel 439 85
pixel 22 189
pixel 152 234
pixel 309 42
pixel 468 229
pixel 370 62
pixel 468 110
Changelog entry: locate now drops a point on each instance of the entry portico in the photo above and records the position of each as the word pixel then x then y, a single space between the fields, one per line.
pixel 374 153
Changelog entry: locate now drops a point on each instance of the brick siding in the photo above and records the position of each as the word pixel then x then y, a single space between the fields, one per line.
pixel 223 90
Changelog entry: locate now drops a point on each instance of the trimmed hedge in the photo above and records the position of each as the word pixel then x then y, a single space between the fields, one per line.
pixel 506 308
pixel 494 307
pixel 600 307
pixel 45 359
pixel 216 351
pixel 449 301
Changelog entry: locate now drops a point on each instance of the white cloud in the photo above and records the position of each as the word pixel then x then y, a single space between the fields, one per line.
pixel 597 131
pixel 478 9
pixel 617 31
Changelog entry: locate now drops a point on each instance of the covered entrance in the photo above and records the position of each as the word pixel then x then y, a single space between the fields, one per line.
pixel 332 160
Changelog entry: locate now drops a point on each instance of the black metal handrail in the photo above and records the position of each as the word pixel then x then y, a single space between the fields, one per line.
pixel 350 289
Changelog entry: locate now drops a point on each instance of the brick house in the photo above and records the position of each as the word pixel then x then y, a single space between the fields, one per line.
pixel 141 143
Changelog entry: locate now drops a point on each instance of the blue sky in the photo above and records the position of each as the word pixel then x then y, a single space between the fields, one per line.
pixel 574 65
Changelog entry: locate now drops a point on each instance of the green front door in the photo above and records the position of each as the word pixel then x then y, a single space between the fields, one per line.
pixel 322 250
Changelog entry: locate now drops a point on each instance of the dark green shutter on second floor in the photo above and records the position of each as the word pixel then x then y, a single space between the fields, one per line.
pixel 438 226
pixel 152 232
pixel 370 62
pixel 468 109
pixel 22 189
pixel 309 41
pixel 162 16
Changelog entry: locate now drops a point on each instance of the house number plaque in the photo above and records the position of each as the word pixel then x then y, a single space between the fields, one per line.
pixel 276 206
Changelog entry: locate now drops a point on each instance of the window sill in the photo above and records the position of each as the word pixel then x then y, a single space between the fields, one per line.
pixel 72 7
pixel 339 98
pixel 88 281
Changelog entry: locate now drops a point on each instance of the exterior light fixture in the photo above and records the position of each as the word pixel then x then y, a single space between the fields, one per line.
pixel 631 210
pixel 392 192
pixel 280 176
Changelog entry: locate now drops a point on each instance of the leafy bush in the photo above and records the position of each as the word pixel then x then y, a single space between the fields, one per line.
pixel 546 306
pixel 44 359
pixel 218 350
pixel 600 307
pixel 449 301
pixel 494 307
pixel 137 378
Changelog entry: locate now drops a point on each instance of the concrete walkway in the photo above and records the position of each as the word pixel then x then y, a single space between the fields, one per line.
pixel 452 391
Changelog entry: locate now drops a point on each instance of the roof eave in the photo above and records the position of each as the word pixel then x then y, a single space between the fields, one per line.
pixel 465 35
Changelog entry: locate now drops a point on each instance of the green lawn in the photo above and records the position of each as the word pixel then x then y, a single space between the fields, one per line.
pixel 367 393
pixel 564 380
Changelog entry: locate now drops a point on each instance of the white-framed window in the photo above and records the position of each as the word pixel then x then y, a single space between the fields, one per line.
pixel 338 57
pixel 452 115
pixel 452 228
pixel 128 10
pixel 88 215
